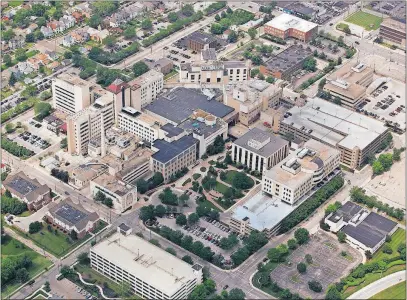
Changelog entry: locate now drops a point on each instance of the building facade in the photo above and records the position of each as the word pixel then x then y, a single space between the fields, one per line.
pixel 393 31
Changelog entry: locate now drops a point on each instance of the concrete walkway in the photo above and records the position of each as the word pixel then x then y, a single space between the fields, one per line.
pixel 379 285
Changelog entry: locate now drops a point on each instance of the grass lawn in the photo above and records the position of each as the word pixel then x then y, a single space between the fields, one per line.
pixel 371 277
pixel 15 3
pixel 169 75
pixel 209 204
pixel 397 291
pixel 365 20
pixel 13 248
pixel 57 245
pixel 230 175
pixel 25 214
pixel 269 267
pixel 397 238
pixel 221 188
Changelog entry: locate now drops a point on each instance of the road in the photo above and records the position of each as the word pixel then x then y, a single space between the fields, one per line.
pixel 379 285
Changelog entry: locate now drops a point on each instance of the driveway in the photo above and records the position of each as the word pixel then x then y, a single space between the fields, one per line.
pixel 24 222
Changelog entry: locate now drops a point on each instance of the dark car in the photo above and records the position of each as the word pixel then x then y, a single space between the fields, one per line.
pixel 225 287
pixel 66 193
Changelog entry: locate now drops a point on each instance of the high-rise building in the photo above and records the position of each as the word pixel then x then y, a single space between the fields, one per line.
pixel 70 93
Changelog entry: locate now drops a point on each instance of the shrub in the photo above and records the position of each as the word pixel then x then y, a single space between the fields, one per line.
pixel 302 268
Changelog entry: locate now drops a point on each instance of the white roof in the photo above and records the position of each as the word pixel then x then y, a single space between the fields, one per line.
pixel 155 266
pixel 286 21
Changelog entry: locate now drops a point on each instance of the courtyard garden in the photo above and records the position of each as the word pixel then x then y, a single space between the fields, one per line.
pixel 19 264
pixel 365 20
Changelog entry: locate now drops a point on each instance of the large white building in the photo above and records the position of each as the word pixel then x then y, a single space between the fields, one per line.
pixel 90 123
pixel 152 272
pixel 70 93
pixel 259 150
pixel 295 176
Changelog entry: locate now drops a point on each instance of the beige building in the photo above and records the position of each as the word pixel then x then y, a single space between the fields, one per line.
pixel 393 31
pixel 144 89
pixel 151 272
pixel 70 93
pixel 89 123
pixel 259 150
pixel 123 195
pixel 212 72
pixel 349 83
pixel 295 176
pixel 355 135
pixel 171 158
pixel 83 174
pixel 251 97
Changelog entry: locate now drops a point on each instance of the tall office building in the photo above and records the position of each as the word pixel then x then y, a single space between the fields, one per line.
pixel 70 93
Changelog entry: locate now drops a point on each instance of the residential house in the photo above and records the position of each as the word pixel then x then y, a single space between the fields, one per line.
pixel 17 42
pixel 53 66
pixel 56 26
pixel 68 41
pixel 52 55
pixel 80 36
pixel 98 35
pixel 83 8
pixel 31 28
pixel 24 68
pixel 68 21
pixel 47 32
pixel 78 16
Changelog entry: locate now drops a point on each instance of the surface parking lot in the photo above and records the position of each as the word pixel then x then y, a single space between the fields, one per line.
pixel 328 265
pixel 207 231
pixel 388 103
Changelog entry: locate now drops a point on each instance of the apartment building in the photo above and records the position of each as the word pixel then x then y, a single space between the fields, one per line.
pixel 259 150
pixel 251 97
pixel 197 41
pixel 173 157
pixel 144 89
pixel 295 176
pixel 214 72
pixel 349 83
pixel 70 93
pixel 89 123
pixel 355 135
pixel 393 31
pixel 151 272
pixel 288 26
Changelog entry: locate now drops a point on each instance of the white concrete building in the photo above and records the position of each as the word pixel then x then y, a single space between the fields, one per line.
pixel 70 93
pixel 152 272
pixel 145 88
pixel 259 150
pixel 296 175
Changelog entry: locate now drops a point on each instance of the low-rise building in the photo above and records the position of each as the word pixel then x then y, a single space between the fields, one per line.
pixel 286 25
pixel 288 61
pixel 83 174
pixel 163 65
pixel 69 216
pixel 30 191
pixel 364 229
pixel 393 31
pixel 123 195
pixel 259 150
pixel 349 83
pixel 355 135
pixel 151 272
pixel 197 41
pixel 294 177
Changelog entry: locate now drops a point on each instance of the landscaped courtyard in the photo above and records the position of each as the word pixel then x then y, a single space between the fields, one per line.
pixel 365 20
pixel 13 250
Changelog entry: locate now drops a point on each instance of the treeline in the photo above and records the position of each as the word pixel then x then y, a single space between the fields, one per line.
pixel 12 205
pixel 311 204
pixel 109 58
pixel 60 174
pixel 18 109
pixel 214 7
pixel 15 149
pixel 176 26
pixel 15 268
pixel 252 244
pixel 358 195
pixel 144 185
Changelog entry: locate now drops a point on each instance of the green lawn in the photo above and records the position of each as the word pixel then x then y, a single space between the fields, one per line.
pixel 365 20
pixel 169 75
pixel 209 204
pixel 397 238
pixel 221 188
pixel 269 267
pixel 56 244
pixel 230 175
pixel 13 248
pixel 397 291
pixel 15 3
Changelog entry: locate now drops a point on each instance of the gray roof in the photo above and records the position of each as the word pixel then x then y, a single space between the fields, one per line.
pixel 201 37
pixel 171 130
pixel 24 187
pixel 347 211
pixel 124 227
pixel 209 54
pixel 259 135
pixel 167 151
pixel 199 128
pixel 288 58
pixel 373 229
pixel 178 104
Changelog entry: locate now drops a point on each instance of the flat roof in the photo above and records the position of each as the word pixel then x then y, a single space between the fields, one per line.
pixel 201 37
pixel 171 130
pixel 394 24
pixel 288 58
pixel 334 124
pixel 261 136
pixel 167 151
pixel 111 183
pixel 371 231
pixel 179 103
pixel 209 54
pixel 347 212
pixel 147 77
pixel 286 21
pixel 150 263
pixel 73 79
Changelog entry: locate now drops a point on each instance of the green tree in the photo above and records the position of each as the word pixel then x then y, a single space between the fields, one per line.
pixel 302 268
pixel 34 227
pixel 47 287
pixel 109 41
pixel 147 213
pixel 129 33
pixel 337 100
pixel 283 249
pixel 292 244
pixel 315 286
pixel 95 20
pixel 217 18
pixel 270 79
pixel 39 35
pixel 10 127
pixel 8 35
pixel 160 210
pixel 387 249
pixel 188 259
pixel 252 33
pixel 7 60
pixel 339 62
pixel 171 251
pixel 30 38
pixel 386 161
pixel 321 84
pixel 64 143
pixel 20 54
pixel 66 271
pixel 142 186
pixel 232 37
pixel 42 109
pixel 274 255
pixel 172 17
pixel 58 13
pixel 308 259
pixel 67 54
pixel 193 219
pixel 22 275
pixel 181 220
pixel 310 64
pixel 83 258
pixel 341 236
pixel 73 235
pixel 146 24
pixel 12 80
pixel 41 21
pixel 301 235
pixel 229 10
pixel 333 293
pixel 236 294
pixel 187 10
pixel 377 168
pixel 139 68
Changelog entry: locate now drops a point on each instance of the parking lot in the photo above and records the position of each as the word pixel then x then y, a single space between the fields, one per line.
pixel 208 231
pixel 387 103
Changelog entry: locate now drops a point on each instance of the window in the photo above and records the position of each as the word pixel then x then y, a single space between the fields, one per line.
pixel 208 80
pixel 217 79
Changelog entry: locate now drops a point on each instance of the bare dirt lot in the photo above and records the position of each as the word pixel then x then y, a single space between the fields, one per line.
pixel 328 265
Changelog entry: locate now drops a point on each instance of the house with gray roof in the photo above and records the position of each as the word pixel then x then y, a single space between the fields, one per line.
pixel 69 216
pixel 28 190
